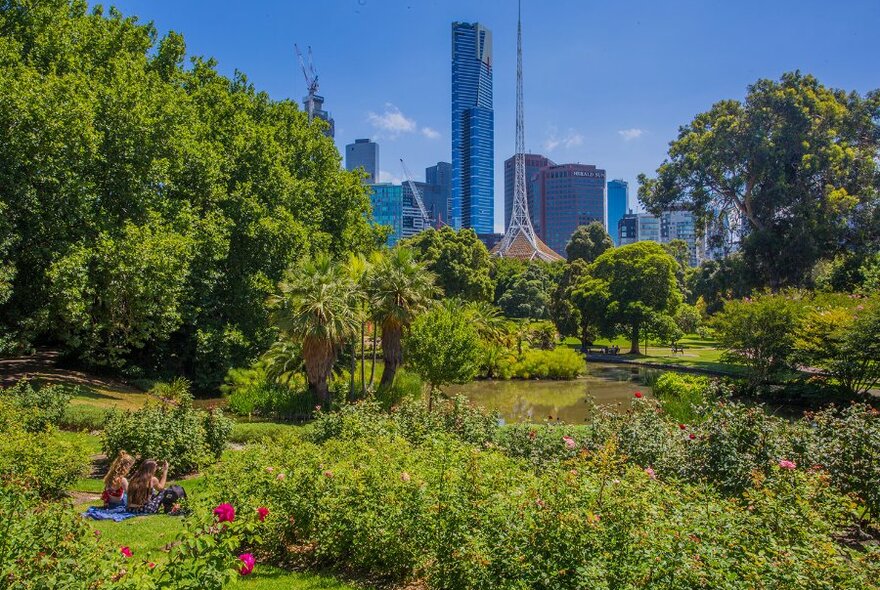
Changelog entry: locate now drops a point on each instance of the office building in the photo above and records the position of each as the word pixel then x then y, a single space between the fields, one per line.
pixel 627 230
pixel 618 204
pixel 363 153
pixel 438 192
pixel 534 163
pixel 570 195
pixel 387 202
pixel 473 129
pixel 668 226
pixel 412 221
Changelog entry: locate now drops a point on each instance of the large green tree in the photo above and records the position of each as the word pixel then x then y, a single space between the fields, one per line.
pixel 588 242
pixel 458 259
pixel 107 136
pixel 627 287
pixel 795 161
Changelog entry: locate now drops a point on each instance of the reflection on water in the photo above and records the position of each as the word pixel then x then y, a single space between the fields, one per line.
pixel 537 401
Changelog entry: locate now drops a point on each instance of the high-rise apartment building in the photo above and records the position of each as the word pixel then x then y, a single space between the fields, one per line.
pixel 618 202
pixel 438 192
pixel 473 129
pixel 571 195
pixel 387 202
pixel 627 230
pixel 363 153
pixel 534 163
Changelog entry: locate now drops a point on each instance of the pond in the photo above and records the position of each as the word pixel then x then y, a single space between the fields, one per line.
pixel 568 401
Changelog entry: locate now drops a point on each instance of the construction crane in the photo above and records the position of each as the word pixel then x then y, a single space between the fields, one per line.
pixel 417 196
pixel 311 76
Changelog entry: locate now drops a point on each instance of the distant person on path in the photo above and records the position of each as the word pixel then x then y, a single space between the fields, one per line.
pixel 115 483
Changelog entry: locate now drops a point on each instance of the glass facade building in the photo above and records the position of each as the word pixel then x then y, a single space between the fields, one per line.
pixel 438 192
pixel 363 153
pixel 618 201
pixel 472 203
pixel 571 195
pixel 387 202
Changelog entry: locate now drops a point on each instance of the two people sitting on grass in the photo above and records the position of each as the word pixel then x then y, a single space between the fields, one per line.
pixel 145 493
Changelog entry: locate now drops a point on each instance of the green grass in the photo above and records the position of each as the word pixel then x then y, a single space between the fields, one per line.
pixel 91 442
pixel 248 432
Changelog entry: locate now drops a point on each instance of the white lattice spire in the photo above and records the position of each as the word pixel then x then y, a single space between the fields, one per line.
pixel 520 229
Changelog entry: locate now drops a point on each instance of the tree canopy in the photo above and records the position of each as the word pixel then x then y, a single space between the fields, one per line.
pixel 148 206
pixel 627 287
pixel 459 260
pixel 588 242
pixel 795 162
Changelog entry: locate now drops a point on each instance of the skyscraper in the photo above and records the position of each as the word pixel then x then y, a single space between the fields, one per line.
pixel 473 129
pixel 363 153
pixel 533 163
pixel 438 192
pixel 571 195
pixel 618 201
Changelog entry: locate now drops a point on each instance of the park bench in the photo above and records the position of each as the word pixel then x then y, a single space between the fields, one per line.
pixel 677 348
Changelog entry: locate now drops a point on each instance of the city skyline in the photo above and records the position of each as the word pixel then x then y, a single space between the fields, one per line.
pixel 613 98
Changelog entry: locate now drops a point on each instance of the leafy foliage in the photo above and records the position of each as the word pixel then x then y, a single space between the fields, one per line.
pixel 759 332
pixel 796 161
pixel 588 242
pixel 149 208
pixel 42 406
pixel 458 259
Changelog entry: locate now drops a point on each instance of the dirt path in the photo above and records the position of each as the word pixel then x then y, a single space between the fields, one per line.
pixel 43 365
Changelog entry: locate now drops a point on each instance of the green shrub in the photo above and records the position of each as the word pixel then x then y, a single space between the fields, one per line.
pixel 846 443
pixel 458 517
pixel 407 386
pixel 185 437
pixel 250 432
pixel 683 397
pixel 43 405
pixel 42 462
pixel 559 363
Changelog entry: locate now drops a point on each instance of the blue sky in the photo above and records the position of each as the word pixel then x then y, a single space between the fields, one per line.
pixel 606 83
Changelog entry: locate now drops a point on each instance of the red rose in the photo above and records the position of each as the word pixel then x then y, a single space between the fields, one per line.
pixel 638 395
pixel 125 551
pixel 693 436
pixel 262 513
pixel 682 427
pixel 224 513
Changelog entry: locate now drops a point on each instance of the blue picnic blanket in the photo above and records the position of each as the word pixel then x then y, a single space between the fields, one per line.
pixel 115 514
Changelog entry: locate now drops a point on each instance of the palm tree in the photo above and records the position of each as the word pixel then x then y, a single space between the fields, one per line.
pixel 399 288
pixel 490 324
pixel 318 306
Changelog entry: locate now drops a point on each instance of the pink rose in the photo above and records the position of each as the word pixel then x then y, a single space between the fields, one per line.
pixel 328 474
pixel 280 476
pixel 247 563
pixel 224 513
pixel 270 469
pixel 404 477
pixel 786 464
pixel 151 565
pixel 125 551
pixel 650 473
pixel 540 503
pixel 262 513
pixel 569 442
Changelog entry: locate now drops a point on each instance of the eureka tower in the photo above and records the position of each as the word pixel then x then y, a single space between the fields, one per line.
pixel 472 204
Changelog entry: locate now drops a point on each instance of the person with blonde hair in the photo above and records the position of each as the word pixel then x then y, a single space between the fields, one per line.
pixel 115 483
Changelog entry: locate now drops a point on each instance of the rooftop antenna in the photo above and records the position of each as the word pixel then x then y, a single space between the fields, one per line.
pixel 519 240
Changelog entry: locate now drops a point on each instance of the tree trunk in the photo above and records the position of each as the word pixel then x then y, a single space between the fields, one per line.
pixel 351 394
pixel 319 356
pixel 373 367
pixel 634 343
pixel 363 368
pixel 391 352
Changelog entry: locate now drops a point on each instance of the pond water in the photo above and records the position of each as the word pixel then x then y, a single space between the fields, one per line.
pixel 568 401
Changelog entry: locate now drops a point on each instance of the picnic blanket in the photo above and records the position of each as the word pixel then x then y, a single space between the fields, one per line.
pixel 115 514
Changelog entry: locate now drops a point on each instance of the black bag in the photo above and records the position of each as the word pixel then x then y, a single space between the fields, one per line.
pixel 171 496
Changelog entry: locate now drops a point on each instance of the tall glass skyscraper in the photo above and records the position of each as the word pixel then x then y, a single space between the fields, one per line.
pixel 473 129
pixel 387 202
pixel 618 198
pixel 363 153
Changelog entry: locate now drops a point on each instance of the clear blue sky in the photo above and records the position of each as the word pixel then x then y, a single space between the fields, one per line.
pixel 606 82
